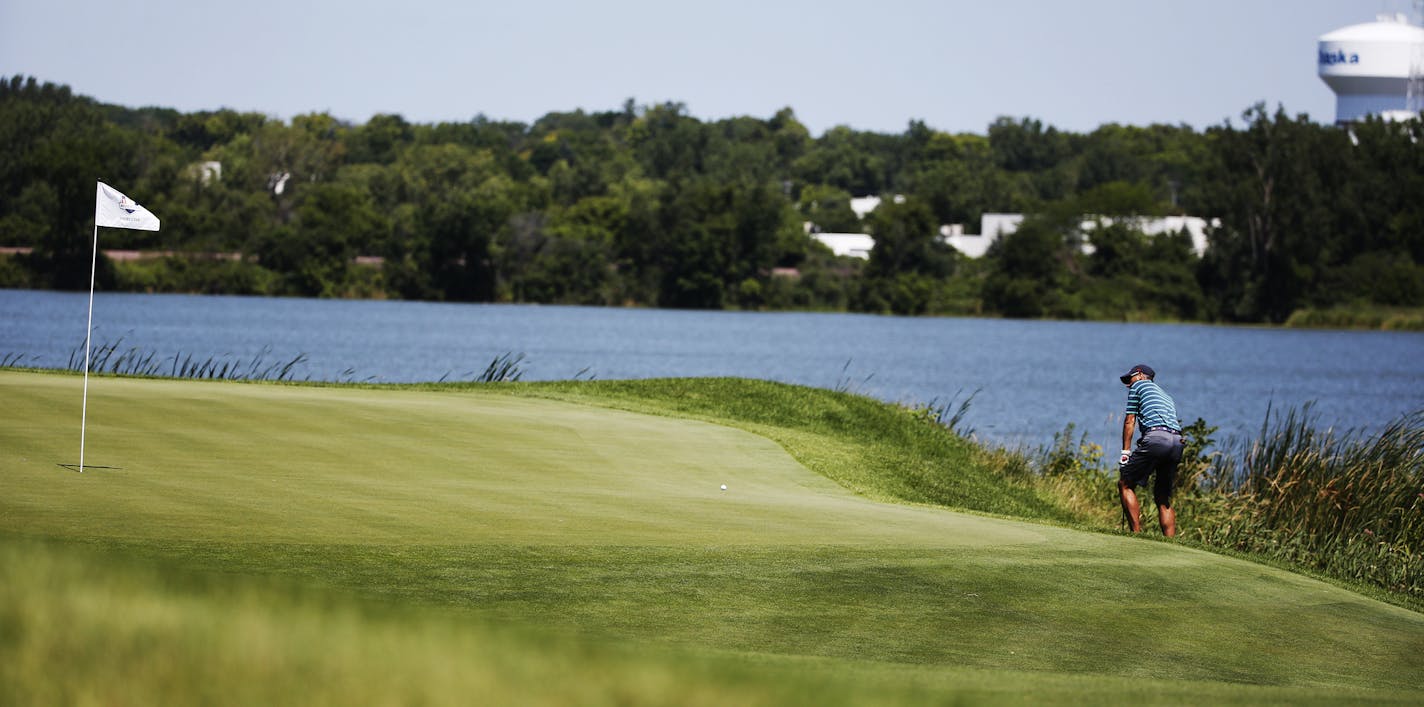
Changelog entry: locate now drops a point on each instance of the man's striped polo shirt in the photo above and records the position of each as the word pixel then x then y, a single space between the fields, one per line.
pixel 1152 406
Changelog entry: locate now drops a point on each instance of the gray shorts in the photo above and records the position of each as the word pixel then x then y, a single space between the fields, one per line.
pixel 1158 451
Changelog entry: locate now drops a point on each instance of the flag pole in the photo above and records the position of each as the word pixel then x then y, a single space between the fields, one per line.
pixel 88 330
pixel 114 210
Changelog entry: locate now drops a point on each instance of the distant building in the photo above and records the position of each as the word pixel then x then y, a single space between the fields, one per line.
pixel 993 226
pixel 855 245
pixel 975 245
pixel 1193 225
pixel 1375 68
pixel 863 205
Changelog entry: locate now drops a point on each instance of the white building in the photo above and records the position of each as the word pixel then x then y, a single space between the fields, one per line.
pixel 974 245
pixel 1375 68
pixel 1194 226
pixel 993 226
pixel 855 245
pixel 863 205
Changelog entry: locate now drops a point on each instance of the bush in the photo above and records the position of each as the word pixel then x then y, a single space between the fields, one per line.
pixel 1359 317
pixel 14 274
pixel 192 275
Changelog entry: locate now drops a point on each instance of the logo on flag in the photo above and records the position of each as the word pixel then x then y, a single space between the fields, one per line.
pixel 113 209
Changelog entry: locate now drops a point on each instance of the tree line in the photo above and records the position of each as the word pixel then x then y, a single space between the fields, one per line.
pixel 647 205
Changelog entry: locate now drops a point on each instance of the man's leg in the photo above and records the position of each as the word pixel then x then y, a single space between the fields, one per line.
pixel 1131 510
pixel 1168 519
pixel 1162 489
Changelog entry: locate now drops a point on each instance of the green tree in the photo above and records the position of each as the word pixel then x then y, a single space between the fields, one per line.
pixel 1131 275
pixel 206 130
pixel 668 142
pixel 829 209
pixel 457 204
pixel 379 140
pixel 1031 270
pixel 1275 183
pixel 29 220
pixel 568 259
pixel 859 163
pixel 332 224
pixel 908 258
pixel 51 137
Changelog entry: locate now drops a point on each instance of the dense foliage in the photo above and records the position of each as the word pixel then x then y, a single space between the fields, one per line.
pixel 648 205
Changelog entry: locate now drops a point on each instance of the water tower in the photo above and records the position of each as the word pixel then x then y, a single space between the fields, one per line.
pixel 1375 68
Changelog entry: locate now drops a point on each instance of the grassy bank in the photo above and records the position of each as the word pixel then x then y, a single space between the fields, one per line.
pixel 875 449
pixel 1359 317
pixel 262 542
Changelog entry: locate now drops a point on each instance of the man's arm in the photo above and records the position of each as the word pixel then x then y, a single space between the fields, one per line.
pixel 1129 423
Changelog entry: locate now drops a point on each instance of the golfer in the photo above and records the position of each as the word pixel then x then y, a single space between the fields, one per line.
pixel 1159 449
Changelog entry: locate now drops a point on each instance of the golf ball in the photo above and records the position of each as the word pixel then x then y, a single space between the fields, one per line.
pixel 724 487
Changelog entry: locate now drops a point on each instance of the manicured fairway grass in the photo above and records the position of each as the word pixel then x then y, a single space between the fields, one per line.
pixel 494 541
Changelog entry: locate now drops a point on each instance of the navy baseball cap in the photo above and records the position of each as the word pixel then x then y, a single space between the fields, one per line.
pixel 1139 368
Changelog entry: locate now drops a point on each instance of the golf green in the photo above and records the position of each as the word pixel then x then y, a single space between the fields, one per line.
pixel 261 463
pixel 614 525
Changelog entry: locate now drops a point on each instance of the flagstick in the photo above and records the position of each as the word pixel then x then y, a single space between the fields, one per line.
pixel 117 211
pixel 88 329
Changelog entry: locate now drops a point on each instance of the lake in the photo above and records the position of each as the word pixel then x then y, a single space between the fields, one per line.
pixel 1032 377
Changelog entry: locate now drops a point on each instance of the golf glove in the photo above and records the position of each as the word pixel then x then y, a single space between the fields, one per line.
pixel 1122 460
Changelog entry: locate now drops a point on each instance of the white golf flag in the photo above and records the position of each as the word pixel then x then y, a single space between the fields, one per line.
pixel 115 210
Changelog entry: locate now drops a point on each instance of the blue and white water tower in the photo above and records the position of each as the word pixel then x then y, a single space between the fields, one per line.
pixel 1375 68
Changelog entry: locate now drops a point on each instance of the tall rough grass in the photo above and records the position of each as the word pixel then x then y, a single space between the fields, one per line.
pixel 112 357
pixel 1341 504
pixel 949 414
pixel 1344 504
pixel 504 368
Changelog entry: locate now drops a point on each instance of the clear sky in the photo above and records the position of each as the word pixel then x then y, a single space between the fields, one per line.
pixel 872 65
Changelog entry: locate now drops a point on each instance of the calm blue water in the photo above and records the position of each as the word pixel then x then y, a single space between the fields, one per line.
pixel 1033 377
